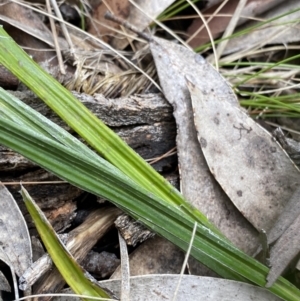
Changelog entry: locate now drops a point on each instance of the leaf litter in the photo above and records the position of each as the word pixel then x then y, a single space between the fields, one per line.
pixel 205 75
pixel 251 167
pixel 254 171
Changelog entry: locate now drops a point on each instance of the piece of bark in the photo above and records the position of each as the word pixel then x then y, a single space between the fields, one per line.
pixel 7 80
pixel 11 161
pixel 132 231
pixel 145 122
pixel 101 264
pixel 126 111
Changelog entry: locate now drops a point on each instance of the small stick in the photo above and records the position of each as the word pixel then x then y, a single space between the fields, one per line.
pixel 109 16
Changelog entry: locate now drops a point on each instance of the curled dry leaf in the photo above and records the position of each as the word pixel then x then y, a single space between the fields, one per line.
pixel 173 62
pixel 249 164
pixel 14 235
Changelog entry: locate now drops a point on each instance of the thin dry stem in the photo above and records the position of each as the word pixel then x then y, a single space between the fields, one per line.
pixel 56 44
pixel 208 31
pixel 231 26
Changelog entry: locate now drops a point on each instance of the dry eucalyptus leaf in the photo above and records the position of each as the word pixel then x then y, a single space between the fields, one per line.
pixel 163 287
pixel 26 25
pixel 284 251
pixel 173 62
pixel 249 164
pixel 14 235
pixel 4 285
pixel 138 13
pixel 286 218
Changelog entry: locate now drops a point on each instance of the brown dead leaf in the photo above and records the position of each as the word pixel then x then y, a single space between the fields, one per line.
pixel 138 13
pixel 173 62
pixel 249 164
pixel 120 8
pixel 22 24
pixel 141 15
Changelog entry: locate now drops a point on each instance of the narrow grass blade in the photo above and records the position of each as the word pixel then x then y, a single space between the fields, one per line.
pixel 74 275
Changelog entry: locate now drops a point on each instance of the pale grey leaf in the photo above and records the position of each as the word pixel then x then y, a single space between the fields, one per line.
pixel 162 287
pixel 4 285
pixel 14 236
pixel 173 62
pixel 284 251
pixel 249 164
pixel 286 218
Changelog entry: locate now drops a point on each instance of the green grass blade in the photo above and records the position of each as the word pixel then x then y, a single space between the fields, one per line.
pixel 168 221
pixel 63 260
pixel 15 110
pixel 90 128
